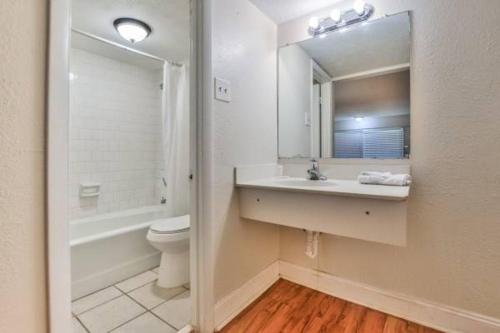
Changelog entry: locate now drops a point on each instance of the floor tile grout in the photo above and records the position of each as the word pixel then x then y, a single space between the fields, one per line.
pixel 109 300
pixel 127 294
pixel 98 305
pixel 81 323
pixel 142 306
pixel 115 285
pixel 149 310
pixel 165 301
pixel 163 320
pixel 133 276
pixel 126 322
pixel 92 293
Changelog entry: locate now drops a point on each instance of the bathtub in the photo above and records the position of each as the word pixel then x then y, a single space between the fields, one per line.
pixel 108 248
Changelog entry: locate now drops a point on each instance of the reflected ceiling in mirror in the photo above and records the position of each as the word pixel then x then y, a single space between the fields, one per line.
pixel 347 95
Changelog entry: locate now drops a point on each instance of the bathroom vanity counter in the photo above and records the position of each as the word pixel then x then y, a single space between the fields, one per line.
pixel 337 207
pixel 346 188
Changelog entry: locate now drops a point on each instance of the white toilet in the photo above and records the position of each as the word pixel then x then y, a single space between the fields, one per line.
pixel 171 237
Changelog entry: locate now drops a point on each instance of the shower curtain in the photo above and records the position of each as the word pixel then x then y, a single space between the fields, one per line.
pixel 175 121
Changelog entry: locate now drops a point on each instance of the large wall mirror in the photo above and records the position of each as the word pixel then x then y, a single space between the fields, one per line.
pixel 346 94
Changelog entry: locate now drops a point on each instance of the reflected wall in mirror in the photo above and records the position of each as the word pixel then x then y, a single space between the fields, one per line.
pixel 347 94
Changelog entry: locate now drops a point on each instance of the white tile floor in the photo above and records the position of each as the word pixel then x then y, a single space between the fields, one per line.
pixel 134 305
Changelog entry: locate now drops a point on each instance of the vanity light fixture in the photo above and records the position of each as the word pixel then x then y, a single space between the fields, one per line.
pixel 132 29
pixel 336 15
pixel 314 22
pixel 361 11
pixel 359 7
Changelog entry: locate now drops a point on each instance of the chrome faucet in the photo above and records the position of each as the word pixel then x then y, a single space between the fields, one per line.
pixel 314 173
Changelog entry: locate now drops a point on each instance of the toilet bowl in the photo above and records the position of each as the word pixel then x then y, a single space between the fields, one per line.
pixel 171 237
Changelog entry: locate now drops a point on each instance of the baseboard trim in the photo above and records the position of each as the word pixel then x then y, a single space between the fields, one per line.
pixel 423 312
pixel 420 311
pixel 231 305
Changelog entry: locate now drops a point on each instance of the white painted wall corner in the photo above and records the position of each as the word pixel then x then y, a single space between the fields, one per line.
pixel 231 305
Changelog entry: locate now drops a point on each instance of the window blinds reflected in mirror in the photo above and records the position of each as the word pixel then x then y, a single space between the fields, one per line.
pixel 372 143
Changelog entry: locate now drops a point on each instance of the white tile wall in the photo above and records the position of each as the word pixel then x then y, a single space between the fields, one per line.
pixel 115 134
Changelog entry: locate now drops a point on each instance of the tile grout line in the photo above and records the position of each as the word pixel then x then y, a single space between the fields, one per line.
pixel 162 320
pixel 98 305
pixel 136 302
pixel 157 306
pixel 165 301
pixel 148 311
pixel 126 293
pixel 136 275
pixel 92 293
pixel 81 323
pixel 168 299
pixel 109 300
pixel 133 318
pixel 126 322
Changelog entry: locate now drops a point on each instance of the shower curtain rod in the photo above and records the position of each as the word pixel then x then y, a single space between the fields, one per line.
pixel 86 34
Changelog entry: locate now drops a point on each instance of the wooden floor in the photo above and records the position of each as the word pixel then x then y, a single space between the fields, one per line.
pixel 289 307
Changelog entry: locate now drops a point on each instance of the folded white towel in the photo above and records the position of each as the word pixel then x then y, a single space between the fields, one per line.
pixel 384 178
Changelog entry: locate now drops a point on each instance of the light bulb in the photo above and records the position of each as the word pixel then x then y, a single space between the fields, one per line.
pixel 359 7
pixel 335 15
pixel 131 29
pixel 314 22
pixel 359 119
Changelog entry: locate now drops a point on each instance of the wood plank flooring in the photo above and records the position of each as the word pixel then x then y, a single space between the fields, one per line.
pixel 287 307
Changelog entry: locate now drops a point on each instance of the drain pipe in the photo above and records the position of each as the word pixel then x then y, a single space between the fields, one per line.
pixel 312 240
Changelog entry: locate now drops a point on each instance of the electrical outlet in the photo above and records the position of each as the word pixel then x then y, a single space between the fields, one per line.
pixel 222 90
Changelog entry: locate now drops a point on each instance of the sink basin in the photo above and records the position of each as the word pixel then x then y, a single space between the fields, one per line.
pixel 304 183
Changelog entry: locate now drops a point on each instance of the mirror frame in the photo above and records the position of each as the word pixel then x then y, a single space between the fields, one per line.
pixel 335 160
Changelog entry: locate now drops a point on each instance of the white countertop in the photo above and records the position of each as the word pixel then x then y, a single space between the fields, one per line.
pixel 349 188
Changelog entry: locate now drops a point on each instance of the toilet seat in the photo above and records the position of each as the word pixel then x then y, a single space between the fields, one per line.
pixel 172 225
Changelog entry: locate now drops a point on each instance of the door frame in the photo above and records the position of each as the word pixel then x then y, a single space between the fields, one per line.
pixel 58 249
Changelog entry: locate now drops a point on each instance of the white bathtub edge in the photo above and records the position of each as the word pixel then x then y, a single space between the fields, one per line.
pixel 111 233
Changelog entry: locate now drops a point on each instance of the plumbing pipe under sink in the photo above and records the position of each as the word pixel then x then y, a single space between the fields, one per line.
pixel 312 240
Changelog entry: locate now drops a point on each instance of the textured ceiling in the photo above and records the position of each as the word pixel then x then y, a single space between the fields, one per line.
pixel 284 10
pixel 169 20
pixel 373 45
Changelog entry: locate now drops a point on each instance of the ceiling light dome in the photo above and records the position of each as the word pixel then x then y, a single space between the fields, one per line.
pixel 131 29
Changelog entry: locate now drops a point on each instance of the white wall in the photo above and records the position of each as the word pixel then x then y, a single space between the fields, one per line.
pixel 115 134
pixel 241 132
pixel 453 252
pixel 295 92
pixel 22 166
pixel 377 96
